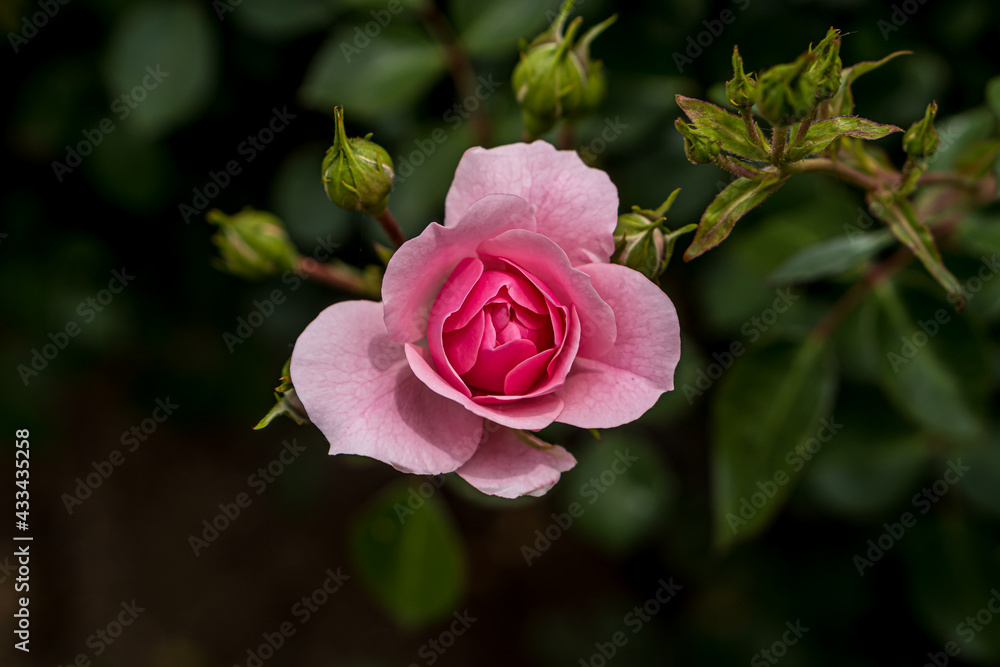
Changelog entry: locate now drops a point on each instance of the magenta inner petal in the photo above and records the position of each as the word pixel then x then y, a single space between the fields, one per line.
pixel 493 365
pixel 526 374
pixel 462 346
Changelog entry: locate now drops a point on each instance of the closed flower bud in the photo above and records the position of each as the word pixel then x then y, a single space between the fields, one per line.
pixel 787 93
pixel 740 89
pixel 252 244
pixel 921 141
pixel 642 243
pixel 357 173
pixel 699 147
pixel 827 68
pixel 555 79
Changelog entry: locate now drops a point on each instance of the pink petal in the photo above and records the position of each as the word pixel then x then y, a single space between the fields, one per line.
pixel 494 364
pixel 359 390
pixel 527 413
pixel 576 205
pixel 418 270
pixel 620 386
pixel 545 262
pixel 506 466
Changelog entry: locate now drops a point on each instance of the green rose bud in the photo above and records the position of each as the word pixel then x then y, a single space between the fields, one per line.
pixel 555 79
pixel 921 141
pixel 787 93
pixel 252 244
pixel 699 146
pixel 642 243
pixel 827 67
pixel 740 89
pixel 357 173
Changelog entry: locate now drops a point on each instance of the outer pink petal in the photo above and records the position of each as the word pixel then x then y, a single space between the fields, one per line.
pixel 418 270
pixel 526 413
pixel 576 205
pixel 506 466
pixel 359 390
pixel 620 386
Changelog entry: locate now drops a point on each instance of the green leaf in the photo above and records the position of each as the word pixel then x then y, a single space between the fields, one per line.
pixel 728 207
pixel 392 72
pixel 162 56
pixel 727 128
pixel 981 484
pixel 933 366
pixel 831 258
pixel 952 569
pixel 842 103
pixel 409 555
pixel 872 468
pixel 825 132
pixel 490 29
pixel 281 20
pixel 903 223
pixel 772 402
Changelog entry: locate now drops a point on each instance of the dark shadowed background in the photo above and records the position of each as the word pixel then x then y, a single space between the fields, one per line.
pixel 120 122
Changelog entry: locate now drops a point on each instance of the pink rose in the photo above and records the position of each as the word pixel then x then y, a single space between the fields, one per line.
pixel 507 318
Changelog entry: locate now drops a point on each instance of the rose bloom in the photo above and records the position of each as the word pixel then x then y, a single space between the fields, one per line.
pixel 506 319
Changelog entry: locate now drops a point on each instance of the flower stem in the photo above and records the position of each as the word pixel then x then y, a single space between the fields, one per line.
pixel 779 137
pixel 835 167
pixel 804 128
pixel 459 66
pixel 331 275
pixel 751 126
pixel 736 167
pixel 391 227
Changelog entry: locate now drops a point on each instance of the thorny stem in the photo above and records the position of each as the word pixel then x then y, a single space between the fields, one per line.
pixel 779 137
pixel 804 128
pixel 735 167
pixel 750 125
pixel 459 66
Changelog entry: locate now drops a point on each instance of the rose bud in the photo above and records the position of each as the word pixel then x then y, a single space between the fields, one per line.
pixel 357 173
pixel 252 244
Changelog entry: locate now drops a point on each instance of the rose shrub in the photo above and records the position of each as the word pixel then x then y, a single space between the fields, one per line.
pixel 505 319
